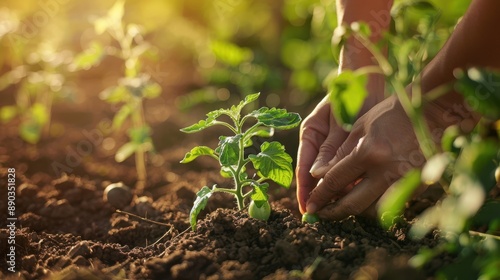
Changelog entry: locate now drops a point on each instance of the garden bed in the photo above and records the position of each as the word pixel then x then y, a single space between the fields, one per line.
pixel 66 230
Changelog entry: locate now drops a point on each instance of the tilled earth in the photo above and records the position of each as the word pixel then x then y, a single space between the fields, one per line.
pixel 67 230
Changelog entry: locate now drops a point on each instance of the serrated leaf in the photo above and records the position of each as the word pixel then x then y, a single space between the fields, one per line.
pixel 121 116
pixel 126 151
pixel 259 194
pixel 393 202
pixel 7 113
pixel 276 118
pixel 88 58
pixel 196 152
pixel 199 125
pixel 481 89
pixel 229 150
pixel 199 204
pixel 347 94
pixel 274 163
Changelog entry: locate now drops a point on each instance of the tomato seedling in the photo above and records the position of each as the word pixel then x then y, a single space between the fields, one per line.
pixel 271 163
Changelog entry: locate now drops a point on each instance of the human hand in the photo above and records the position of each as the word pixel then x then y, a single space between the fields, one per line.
pixel 380 149
pixel 320 137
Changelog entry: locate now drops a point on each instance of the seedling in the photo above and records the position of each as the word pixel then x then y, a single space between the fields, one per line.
pixel 310 218
pixel 271 163
pixel 132 89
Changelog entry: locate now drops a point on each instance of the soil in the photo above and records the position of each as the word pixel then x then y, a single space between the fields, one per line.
pixel 65 229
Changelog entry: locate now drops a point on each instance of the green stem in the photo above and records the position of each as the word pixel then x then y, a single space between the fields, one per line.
pixel 414 113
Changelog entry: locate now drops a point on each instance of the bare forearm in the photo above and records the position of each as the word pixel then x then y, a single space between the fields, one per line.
pixel 474 43
pixel 354 55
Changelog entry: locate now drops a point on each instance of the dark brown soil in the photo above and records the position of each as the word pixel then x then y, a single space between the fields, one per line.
pixel 66 230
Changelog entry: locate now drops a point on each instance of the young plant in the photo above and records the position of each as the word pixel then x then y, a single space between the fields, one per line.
pixel 40 81
pixel 271 163
pixel 132 89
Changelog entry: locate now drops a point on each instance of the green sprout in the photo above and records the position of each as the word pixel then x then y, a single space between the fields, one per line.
pixel 132 89
pixel 271 163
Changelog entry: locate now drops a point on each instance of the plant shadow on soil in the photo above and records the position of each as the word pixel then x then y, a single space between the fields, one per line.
pixel 66 230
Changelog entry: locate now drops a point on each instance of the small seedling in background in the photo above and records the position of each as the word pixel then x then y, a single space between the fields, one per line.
pixel 40 80
pixel 132 89
pixel 271 163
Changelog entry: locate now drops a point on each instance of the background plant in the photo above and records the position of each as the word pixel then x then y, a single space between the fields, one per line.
pixel 133 88
pixel 37 74
pixel 271 163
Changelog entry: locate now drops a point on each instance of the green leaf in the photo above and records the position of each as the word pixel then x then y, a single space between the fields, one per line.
pixel 393 202
pixel 7 113
pixel 229 150
pixel 448 142
pixel 233 113
pixel 196 152
pixel 151 90
pixel 264 132
pixel 230 54
pixel 487 213
pixel 477 160
pixel 424 6
pixel 30 131
pixel 481 89
pixel 199 125
pixel 259 194
pixel 276 118
pixel 126 151
pixel 39 114
pixel 347 94
pixel 114 94
pixel 88 58
pixel 274 163
pixel 199 204
pixel 121 116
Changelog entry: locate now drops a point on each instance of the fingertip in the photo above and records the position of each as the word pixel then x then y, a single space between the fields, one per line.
pixel 311 208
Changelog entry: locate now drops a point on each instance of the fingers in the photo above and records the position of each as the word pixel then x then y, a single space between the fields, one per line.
pixel 328 150
pixel 346 171
pixel 360 200
pixel 314 131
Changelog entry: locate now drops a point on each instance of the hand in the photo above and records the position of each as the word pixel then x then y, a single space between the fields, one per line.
pixel 320 138
pixel 380 149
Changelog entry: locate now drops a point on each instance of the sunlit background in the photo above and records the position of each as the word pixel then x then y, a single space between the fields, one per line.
pixel 199 53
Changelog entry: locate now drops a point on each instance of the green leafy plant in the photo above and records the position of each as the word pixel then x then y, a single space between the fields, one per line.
pixel 271 163
pixel 40 80
pixel 132 89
